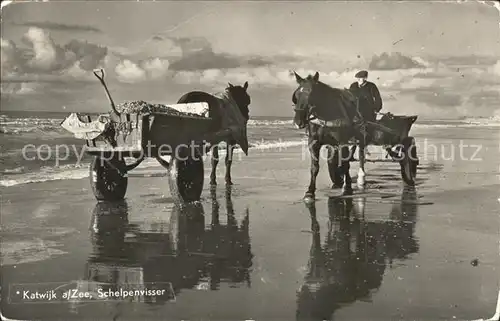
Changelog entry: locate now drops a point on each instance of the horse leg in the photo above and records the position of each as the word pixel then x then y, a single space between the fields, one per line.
pixel 333 167
pixel 361 171
pixel 215 161
pixel 314 150
pixel 345 155
pixel 353 151
pixel 229 162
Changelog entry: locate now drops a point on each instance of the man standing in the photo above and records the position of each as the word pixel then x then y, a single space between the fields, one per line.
pixel 368 94
pixel 369 100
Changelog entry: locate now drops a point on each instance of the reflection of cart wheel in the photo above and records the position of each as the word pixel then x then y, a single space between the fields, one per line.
pixel 409 161
pixel 107 183
pixel 186 178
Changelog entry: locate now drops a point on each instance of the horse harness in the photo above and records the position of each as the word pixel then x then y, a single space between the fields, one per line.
pixel 360 125
pixel 336 123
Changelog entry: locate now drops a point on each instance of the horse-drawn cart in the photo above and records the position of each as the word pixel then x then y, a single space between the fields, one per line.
pixel 139 131
pixel 392 133
pixel 334 117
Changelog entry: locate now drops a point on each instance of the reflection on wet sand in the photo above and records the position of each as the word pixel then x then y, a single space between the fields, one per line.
pixel 181 253
pixel 351 261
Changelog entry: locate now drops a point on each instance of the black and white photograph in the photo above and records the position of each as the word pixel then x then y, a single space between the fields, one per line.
pixel 250 160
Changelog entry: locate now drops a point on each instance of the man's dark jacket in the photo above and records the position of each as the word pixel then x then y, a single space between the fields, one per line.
pixel 370 101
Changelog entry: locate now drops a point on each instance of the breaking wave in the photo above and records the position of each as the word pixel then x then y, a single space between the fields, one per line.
pixel 17 176
pixel 20 125
pixel 265 134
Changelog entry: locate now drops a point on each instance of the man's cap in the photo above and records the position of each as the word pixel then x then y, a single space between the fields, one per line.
pixel 361 74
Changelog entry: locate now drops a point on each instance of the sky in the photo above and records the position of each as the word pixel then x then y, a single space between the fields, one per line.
pixel 426 56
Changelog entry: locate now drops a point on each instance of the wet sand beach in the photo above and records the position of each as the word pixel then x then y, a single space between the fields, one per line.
pixel 256 251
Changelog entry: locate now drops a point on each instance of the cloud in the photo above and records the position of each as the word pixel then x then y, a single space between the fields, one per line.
pixel 197 54
pixel 438 97
pixel 495 69
pixel 275 75
pixel 183 58
pixel 394 61
pixel 156 68
pixel 205 60
pixel 449 93
pixel 485 98
pixel 435 74
pixel 158 58
pixel 18 88
pixel 45 60
pixel 129 72
pixel 58 26
pixel 402 91
pixel 43 55
pixel 461 80
pixel 89 55
pixel 467 60
pixel 409 85
pixel 416 82
pixel 11 58
pixel 77 72
pixel 47 56
pixel 154 47
pixel 189 45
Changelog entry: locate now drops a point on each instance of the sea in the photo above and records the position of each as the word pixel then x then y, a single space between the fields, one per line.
pixel 35 148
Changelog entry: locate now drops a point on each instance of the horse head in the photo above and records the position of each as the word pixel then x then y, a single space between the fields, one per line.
pixel 241 97
pixel 301 98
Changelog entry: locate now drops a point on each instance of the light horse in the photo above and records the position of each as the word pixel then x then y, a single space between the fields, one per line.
pixel 328 116
pixel 240 96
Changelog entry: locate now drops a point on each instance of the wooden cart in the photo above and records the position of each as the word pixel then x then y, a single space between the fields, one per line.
pixel 392 132
pixel 113 137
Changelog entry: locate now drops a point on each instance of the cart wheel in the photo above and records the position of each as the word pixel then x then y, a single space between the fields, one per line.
pixel 409 161
pixel 107 183
pixel 186 177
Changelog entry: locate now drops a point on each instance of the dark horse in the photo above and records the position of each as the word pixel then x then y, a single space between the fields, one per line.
pixel 347 261
pixel 327 115
pixel 240 96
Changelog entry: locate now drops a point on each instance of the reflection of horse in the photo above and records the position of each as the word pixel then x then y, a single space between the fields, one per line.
pixel 351 262
pixel 229 238
pixel 221 252
pixel 401 227
pixel 239 95
pixel 182 254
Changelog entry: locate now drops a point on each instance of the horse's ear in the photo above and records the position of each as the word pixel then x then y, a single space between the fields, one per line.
pixel 316 76
pixel 298 78
pixel 245 86
pixel 230 85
